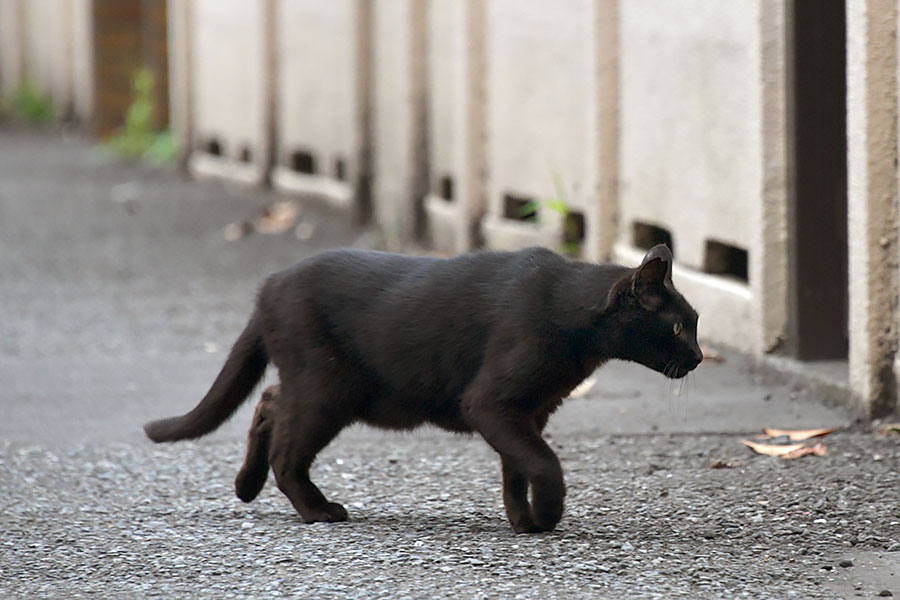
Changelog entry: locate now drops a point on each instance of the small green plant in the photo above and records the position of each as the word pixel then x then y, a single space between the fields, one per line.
pixel 572 227
pixel 140 136
pixel 30 104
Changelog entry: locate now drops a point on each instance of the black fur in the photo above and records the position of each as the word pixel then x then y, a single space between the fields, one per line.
pixel 487 342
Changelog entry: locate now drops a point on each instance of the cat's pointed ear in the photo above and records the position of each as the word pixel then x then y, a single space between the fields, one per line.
pixel 651 279
pixel 662 252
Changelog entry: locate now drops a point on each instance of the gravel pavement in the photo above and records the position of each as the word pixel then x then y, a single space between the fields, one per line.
pixel 119 297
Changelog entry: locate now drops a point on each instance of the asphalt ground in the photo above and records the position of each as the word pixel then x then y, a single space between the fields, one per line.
pixel 119 296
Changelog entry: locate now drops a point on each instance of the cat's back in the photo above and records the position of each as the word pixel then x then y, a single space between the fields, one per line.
pixel 366 271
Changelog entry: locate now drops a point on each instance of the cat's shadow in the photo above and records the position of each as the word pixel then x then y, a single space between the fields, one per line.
pixel 415 522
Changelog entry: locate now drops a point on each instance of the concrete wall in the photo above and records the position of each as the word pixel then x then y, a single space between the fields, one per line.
pixel 541 112
pixel 12 44
pixel 695 151
pixel 456 123
pixel 49 41
pixel 318 100
pixel 398 114
pixel 230 88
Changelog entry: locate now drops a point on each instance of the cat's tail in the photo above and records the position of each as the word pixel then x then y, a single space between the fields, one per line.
pixel 243 370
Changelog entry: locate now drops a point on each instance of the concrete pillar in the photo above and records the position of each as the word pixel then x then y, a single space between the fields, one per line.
pixel 872 202
pixel 456 123
pixel 82 58
pixel 770 269
pixel 599 244
pixel 12 44
pixel 180 67
pixel 399 116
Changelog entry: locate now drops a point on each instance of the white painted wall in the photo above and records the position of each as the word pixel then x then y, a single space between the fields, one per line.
pixel 318 100
pixel 691 121
pixel 11 44
pixel 47 51
pixel 229 84
pixel 702 158
pixel 398 103
pixel 316 95
pixel 541 112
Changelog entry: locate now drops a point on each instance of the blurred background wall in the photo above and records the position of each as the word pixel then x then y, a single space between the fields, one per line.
pixel 757 138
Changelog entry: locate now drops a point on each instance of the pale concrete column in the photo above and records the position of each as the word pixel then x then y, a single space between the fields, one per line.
pixel 180 73
pixel 271 83
pixel 82 58
pixel 362 83
pixel 770 268
pixel 872 201
pixel 599 245
pixel 399 113
pixel 471 156
pixel 12 44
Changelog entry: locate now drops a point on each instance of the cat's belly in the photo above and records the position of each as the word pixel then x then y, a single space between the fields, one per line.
pixel 409 413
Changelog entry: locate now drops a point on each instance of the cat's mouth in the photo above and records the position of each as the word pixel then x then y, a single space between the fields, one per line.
pixel 677 370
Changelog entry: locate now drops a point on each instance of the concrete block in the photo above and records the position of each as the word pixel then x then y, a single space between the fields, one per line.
pixel 12 44
pixel 541 115
pixel 456 113
pixel 319 101
pixel 230 88
pixel 702 164
pixel 399 116
pixel 872 189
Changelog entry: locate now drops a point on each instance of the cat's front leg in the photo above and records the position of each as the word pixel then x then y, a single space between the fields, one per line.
pixel 526 456
pixel 515 498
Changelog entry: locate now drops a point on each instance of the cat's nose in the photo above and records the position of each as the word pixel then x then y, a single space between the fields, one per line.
pixel 698 355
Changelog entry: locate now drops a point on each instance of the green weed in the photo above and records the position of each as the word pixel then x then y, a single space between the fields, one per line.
pixel 30 104
pixel 140 136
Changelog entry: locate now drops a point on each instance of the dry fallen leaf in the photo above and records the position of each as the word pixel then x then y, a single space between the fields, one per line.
pixel 796 435
pixel 278 217
pixel 889 428
pixel 583 388
pixel 710 355
pixel 773 449
pixel 817 449
pixel 235 231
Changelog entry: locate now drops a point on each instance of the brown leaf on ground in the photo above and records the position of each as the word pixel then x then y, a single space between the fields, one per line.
pixel 583 388
pixel 235 231
pixel 710 355
pixel 889 428
pixel 817 449
pixel 796 435
pixel 773 449
pixel 278 217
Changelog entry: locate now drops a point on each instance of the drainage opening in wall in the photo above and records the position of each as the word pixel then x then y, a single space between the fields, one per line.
pixel 723 259
pixel 303 162
pixel 246 155
pixel 645 236
pixel 519 208
pixel 445 187
pixel 573 232
pixel 340 169
pixel 212 146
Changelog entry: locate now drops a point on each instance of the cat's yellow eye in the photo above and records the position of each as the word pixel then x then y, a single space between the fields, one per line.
pixel 677 328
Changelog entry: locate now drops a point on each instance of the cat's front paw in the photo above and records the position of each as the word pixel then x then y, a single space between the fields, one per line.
pixel 331 512
pixel 526 524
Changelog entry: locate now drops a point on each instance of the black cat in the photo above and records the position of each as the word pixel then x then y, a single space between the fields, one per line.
pixel 487 342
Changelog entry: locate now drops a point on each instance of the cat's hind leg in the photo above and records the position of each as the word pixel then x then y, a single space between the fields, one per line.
pixel 308 419
pixel 252 477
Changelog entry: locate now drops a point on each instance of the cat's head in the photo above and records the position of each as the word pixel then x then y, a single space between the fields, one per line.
pixel 659 327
